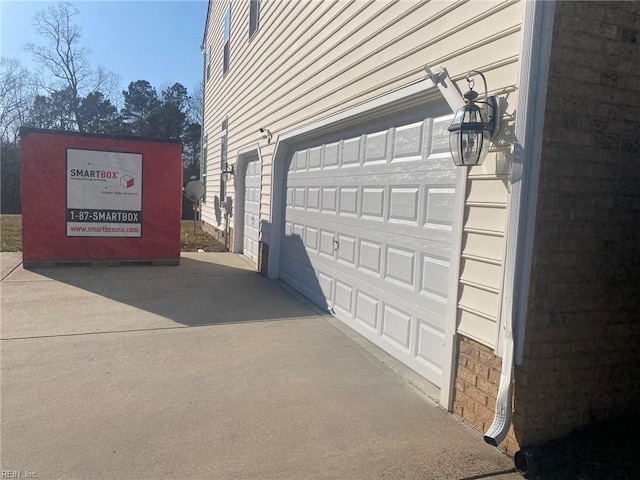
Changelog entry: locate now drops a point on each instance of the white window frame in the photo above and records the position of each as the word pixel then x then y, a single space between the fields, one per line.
pixel 254 17
pixel 226 41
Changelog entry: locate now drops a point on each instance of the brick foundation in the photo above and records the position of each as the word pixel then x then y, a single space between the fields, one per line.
pixel 215 232
pixel 476 388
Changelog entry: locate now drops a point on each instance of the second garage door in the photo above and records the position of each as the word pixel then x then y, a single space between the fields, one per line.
pixel 368 235
pixel 252 210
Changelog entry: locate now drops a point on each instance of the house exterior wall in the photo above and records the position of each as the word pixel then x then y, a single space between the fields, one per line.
pixel 581 360
pixel 310 60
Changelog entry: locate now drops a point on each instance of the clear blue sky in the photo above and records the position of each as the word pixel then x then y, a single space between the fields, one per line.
pixel 158 41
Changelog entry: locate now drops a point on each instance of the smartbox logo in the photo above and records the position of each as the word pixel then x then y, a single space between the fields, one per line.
pixel 127 181
pixel 85 173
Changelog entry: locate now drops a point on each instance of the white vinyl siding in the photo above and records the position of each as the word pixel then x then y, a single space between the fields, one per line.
pixel 314 59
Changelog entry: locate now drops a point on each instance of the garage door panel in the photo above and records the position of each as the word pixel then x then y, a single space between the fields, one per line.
pixel 439 137
pixel 377 211
pixel 376 148
pixel 372 204
pixel 327 247
pixel 435 273
pixel 314 158
pixel 396 326
pixel 433 303
pixel 429 345
pixel 404 204
pixel 329 200
pixel 311 239
pixel 347 249
pixel 330 156
pixel 408 142
pixel 251 220
pixel 367 310
pixel 299 197
pixel 325 282
pixel 370 258
pixel 348 200
pixel 288 230
pixel 344 298
pixel 299 161
pixel 351 152
pixel 313 198
pixel 298 232
pixel 400 266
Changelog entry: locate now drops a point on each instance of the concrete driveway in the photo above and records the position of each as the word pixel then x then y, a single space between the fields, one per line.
pixel 207 370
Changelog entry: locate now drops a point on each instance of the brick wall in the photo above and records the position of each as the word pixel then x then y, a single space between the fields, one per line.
pixel 476 388
pixel 582 340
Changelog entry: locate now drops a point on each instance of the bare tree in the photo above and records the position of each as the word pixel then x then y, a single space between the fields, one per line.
pixel 64 59
pixel 196 101
pixel 16 97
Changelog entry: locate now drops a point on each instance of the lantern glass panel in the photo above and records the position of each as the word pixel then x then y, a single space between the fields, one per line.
pixel 454 147
pixel 469 136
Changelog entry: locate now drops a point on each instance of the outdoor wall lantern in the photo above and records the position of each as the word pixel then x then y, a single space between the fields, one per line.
pixel 473 126
pixel 227 172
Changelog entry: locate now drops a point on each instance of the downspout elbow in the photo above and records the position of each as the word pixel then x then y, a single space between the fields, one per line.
pixel 499 428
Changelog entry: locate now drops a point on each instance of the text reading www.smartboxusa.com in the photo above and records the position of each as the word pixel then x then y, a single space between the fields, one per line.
pixel 103 229
pixel 103 216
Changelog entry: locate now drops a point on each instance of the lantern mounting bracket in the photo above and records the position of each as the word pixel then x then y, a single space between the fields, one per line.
pixel 491 106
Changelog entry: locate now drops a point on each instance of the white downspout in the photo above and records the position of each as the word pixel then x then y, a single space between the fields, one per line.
pixel 499 429
pixel 537 32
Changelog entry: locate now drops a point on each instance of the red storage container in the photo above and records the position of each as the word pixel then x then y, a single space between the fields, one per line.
pixel 99 198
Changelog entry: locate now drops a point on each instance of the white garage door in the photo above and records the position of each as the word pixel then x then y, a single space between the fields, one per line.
pixel 368 235
pixel 252 210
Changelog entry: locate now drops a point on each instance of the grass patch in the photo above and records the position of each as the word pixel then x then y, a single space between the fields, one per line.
pixel 190 242
pixel 11 236
pixel 10 233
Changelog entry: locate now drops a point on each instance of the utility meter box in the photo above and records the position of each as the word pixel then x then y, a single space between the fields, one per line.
pixel 99 198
